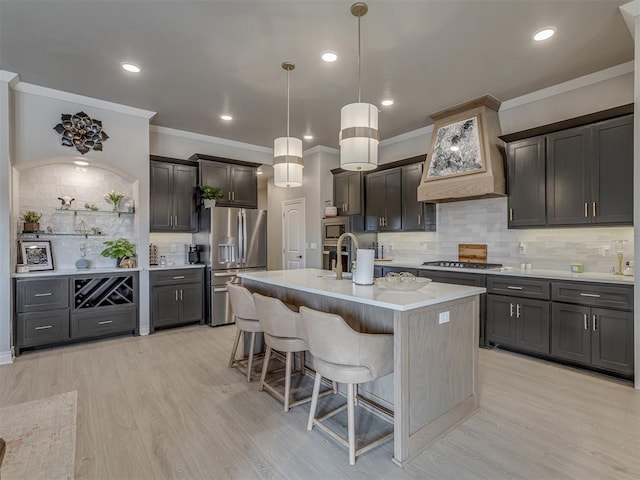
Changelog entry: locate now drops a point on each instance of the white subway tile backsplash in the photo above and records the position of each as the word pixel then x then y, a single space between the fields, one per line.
pixel 485 221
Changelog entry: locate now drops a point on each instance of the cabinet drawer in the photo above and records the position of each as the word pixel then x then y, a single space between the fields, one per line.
pixel 103 322
pixel 170 277
pixel 455 278
pixel 41 328
pixel 519 287
pixel 593 294
pixel 42 294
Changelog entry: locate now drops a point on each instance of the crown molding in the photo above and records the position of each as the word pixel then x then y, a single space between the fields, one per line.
pixel 576 83
pixel 407 136
pixel 9 77
pixel 322 149
pixel 31 89
pixel 629 11
pixel 208 138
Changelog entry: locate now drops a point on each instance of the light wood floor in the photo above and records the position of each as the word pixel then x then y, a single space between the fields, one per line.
pixel 167 406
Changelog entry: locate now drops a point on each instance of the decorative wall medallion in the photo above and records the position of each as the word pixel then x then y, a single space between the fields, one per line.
pixel 81 131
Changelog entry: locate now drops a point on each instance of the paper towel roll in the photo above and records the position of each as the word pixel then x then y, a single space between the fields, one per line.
pixel 364 267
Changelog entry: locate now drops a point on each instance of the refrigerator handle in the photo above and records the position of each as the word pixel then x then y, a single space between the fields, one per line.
pixel 240 237
pixel 244 237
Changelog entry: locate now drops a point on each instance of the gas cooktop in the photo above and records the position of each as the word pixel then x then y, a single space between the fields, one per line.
pixel 454 264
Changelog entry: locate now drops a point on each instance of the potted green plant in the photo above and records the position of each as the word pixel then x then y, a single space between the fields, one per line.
pixel 210 194
pixel 114 198
pixel 120 249
pixel 30 220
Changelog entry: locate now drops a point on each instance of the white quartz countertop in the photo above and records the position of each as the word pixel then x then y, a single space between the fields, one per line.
pixel 176 266
pixel 319 282
pixel 74 271
pixel 517 272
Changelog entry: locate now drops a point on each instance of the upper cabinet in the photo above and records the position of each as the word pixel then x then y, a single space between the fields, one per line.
pixel 576 176
pixel 391 201
pixel 172 196
pixel 347 192
pixel 238 180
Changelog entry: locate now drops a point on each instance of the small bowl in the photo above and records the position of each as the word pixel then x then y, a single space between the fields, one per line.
pixel 415 284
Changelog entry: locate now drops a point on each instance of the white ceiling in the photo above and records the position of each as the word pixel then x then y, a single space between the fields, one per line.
pixel 204 58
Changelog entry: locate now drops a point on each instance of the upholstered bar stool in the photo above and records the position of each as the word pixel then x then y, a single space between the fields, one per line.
pixel 244 314
pixel 345 356
pixel 283 333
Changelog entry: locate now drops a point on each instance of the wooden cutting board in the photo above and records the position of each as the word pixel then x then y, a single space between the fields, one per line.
pixel 472 252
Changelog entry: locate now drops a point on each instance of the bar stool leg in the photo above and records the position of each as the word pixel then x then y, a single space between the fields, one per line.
pixel 236 341
pixel 287 381
pixel 265 367
pixel 314 400
pixel 351 426
pixel 251 348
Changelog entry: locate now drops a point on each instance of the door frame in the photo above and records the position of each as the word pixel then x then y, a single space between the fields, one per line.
pixel 304 231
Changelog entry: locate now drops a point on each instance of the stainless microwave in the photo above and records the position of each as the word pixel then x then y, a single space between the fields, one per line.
pixel 333 227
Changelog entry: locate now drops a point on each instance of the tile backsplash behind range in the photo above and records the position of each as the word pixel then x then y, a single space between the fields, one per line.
pixel 485 221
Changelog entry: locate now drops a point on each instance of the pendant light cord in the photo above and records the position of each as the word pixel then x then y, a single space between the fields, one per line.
pixel 359 59
pixel 287 103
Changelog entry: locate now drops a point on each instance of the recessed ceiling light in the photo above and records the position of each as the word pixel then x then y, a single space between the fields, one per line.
pixel 226 118
pixel 82 163
pixel 259 172
pixel 544 34
pixel 329 57
pixel 130 67
pixel 454 148
pixel 387 102
pixel 308 137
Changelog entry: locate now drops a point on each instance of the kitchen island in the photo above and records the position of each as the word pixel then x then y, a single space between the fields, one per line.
pixel 434 386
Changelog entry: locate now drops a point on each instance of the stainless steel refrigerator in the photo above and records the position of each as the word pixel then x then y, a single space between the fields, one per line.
pixel 232 240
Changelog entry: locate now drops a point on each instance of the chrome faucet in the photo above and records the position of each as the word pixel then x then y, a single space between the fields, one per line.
pixel 339 251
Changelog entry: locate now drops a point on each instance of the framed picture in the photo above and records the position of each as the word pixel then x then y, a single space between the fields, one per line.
pixel 456 150
pixel 37 254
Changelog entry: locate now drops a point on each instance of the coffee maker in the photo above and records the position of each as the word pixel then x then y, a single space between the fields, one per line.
pixel 193 254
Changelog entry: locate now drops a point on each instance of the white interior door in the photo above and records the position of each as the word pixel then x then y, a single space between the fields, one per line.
pixel 293 238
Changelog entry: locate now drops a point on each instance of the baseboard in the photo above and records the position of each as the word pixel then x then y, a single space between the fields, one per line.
pixel 6 358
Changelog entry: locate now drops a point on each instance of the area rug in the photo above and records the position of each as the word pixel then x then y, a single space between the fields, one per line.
pixel 41 438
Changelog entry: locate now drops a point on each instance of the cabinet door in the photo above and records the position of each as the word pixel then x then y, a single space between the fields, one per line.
pixel 532 325
pixel 184 211
pixel 374 204
pixel 570 332
pixel 354 193
pixel 612 178
pixel 166 305
pixel 161 199
pixel 501 325
pixel 216 174
pixel 243 185
pixel 569 177
pixel 527 182
pixel 612 340
pixel 341 192
pixel 412 209
pixel 191 301
pixel 393 200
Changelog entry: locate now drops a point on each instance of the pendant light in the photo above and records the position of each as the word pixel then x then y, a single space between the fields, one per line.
pixel 359 122
pixel 287 151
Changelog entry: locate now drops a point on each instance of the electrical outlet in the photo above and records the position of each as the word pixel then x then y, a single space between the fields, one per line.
pixel 443 317
pixel 606 250
pixel 522 248
pixel 314 246
pixel 174 248
pixel 425 246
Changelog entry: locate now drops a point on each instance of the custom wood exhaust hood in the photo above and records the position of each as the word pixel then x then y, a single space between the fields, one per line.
pixel 465 160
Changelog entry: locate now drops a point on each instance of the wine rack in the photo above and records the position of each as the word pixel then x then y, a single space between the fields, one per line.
pixel 103 291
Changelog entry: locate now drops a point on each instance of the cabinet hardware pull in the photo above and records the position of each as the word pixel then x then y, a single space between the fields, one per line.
pixel 379 221
pixel 48 294
pixel 171 220
pixel 593 208
pixel 346 207
pixel 178 277
pixel 586 321
pixel 511 309
pixel 511 214
pixel 384 220
pixel 594 295
pixel 176 295
pixel 518 310
pixel 44 327
pixel 512 287
pixel 419 223
pixel 105 322
pixel 594 322
pixel 180 294
pixel 586 209
pixel 175 223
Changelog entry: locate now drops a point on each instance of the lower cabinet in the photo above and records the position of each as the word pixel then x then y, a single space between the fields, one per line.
pixel 61 309
pixel 522 323
pixel 177 297
pixel 597 337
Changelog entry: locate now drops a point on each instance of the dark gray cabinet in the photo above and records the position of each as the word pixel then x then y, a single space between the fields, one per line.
pixel 416 216
pixel 239 183
pixel 347 192
pixel 177 297
pixel 61 309
pixel 587 333
pixel 172 194
pixel 383 206
pixel 526 166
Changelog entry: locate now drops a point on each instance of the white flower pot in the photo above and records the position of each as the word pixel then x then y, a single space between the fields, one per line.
pixel 209 203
